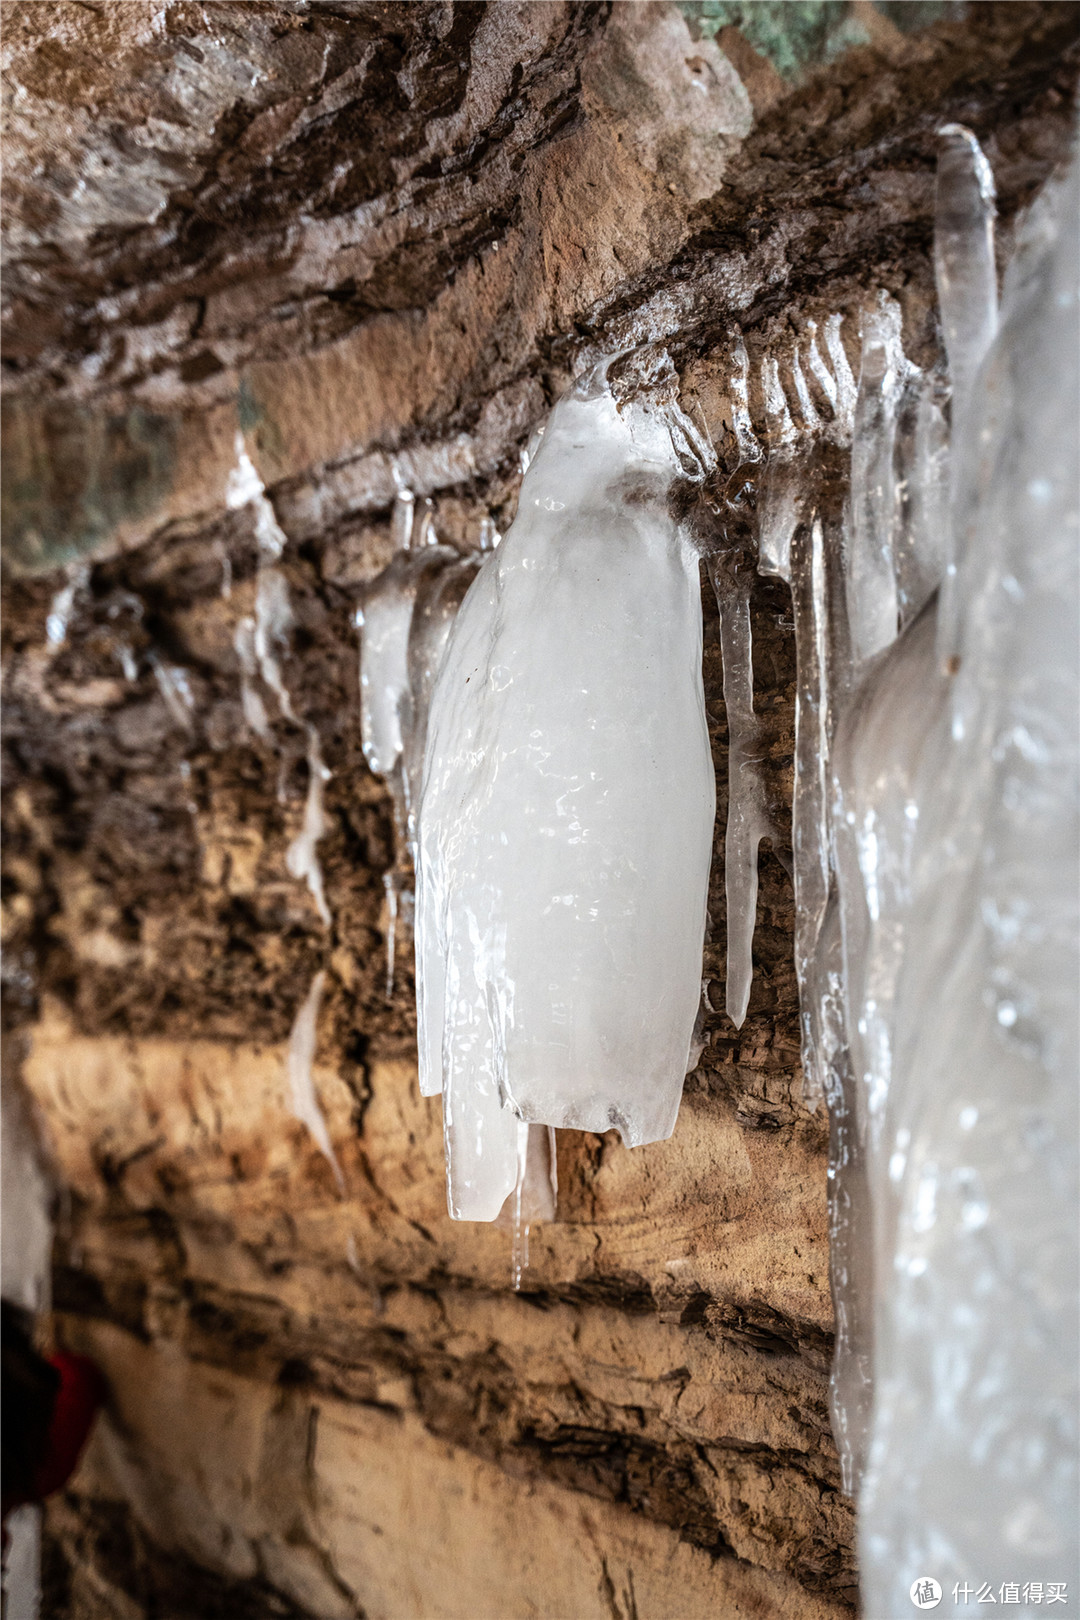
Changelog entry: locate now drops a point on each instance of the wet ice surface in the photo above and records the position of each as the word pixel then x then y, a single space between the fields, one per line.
pixel 935 841
pixel 566 818
pixel 973 1468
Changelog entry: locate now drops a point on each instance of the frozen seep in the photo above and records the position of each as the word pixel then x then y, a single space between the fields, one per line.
pixel 566 819
pixel 302 1094
pixel 301 858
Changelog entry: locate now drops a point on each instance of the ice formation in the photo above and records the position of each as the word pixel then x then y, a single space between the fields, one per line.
pixel 301 858
pixel 973 1468
pixel 259 640
pixel 748 819
pixel 935 839
pixel 302 1094
pixel 565 826
pixel 405 620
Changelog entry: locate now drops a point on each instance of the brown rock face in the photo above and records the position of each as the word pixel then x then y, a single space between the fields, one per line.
pixel 378 238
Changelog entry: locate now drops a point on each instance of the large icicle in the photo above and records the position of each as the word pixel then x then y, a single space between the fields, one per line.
pixel 566 818
pixel 302 1094
pixel 973 1472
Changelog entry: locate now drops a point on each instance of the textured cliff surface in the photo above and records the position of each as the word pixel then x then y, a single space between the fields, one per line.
pixel 377 237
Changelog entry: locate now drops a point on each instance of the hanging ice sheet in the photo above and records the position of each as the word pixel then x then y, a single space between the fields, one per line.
pixel 566 818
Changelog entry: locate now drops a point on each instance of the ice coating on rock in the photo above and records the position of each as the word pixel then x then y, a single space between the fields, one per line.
pixel 966 278
pixel 566 817
pixel 301 857
pixel 973 1470
pixel 254 709
pixel 303 1097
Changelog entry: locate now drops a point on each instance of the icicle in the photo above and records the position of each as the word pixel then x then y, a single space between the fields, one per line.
pixel 302 1095
pixel 226 570
pixel 489 534
pixel 748 819
pixel 255 714
pixel 273 612
pixel 390 889
pixel 404 621
pixel 301 858
pixel 62 605
pixel 126 659
pixel 566 820
pixel 966 277
pixel 873 605
pixel 739 385
pixel 846 391
pixel 174 687
pixel 535 1194
pixel 807 409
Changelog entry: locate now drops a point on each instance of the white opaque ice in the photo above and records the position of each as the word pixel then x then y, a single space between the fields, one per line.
pixel 303 1097
pixel 566 819
pixel 301 857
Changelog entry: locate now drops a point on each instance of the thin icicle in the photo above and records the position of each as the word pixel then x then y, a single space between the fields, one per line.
pixel 811 421
pixel 846 391
pixel 781 428
pixel 301 858
pixel 390 889
pixel 254 708
pixel 535 1194
pixel 302 1094
pixel 175 688
pixel 739 385
pixel 747 820
pixel 62 605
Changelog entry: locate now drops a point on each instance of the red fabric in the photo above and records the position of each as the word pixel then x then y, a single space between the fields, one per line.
pixel 81 1393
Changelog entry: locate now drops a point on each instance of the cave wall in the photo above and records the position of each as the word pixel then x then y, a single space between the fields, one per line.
pixel 382 236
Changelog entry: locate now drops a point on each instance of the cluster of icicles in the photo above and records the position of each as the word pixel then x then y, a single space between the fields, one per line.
pixel 539 714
